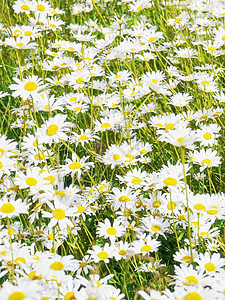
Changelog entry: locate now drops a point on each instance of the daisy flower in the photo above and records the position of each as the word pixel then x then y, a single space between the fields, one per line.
pixel 27 87
pixel 53 130
pixel 54 267
pixel 145 245
pixel 76 165
pixel 84 137
pixel 32 179
pixel 98 254
pixel 205 158
pixel 24 289
pixel 60 214
pixel 21 6
pixel 180 99
pixel 11 208
pixel 110 231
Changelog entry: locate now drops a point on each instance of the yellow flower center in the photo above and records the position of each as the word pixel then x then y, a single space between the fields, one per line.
pixel 146 248
pixel 79 80
pixel 40 7
pixel 122 252
pixel 169 126
pixel 35 143
pixel 80 209
pixel 124 199
pixel 103 255
pixel 152 39
pixel 210 267
pixel 17 296
pixel 11 231
pixel 83 264
pixel 207 136
pixel 136 180
pixel 28 33
pixel 117 76
pixel 142 152
pixel 51 179
pixel 159 125
pixel 75 165
pixel 199 206
pixel 111 231
pixel 156 228
pixel 32 276
pixel 52 130
pixel 50 237
pixel 1 165
pixel 83 138
pixel 156 204
pixel 39 156
pixel 181 217
pixel 69 296
pixel 116 157
pixel 59 214
pixel 204 234
pixel 2 151
pixel 7 208
pixel 180 140
pixel 105 125
pixel 186 259
pixel 213 210
pixel 60 193
pixel 30 86
pixel 130 157
pixel 52 25
pixel 223 38
pixel 25 7
pixel 78 108
pixel 57 266
pixel 212 48
pixel 20 45
pixel 20 259
pixel 171 205
pixel 139 8
pixel 193 296
pixel 154 80
pixel 31 181
pixel 55 68
pixel 205 82
pixel 206 161
pixel 170 181
pixel 177 20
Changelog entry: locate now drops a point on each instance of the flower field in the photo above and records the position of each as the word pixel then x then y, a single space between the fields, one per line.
pixel 112 161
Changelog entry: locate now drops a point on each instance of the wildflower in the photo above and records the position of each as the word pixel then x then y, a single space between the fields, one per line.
pixel 98 254
pixel 11 208
pixel 60 214
pixel 29 86
pixel 205 158
pixel 110 231
pixel 53 130
pixel 76 165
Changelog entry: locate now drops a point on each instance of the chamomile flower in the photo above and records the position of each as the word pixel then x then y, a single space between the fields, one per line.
pixel 26 87
pixel 53 130
pixel 76 165
pixel 205 158
pixel 145 245
pixel 60 214
pixel 180 99
pixel 211 264
pixel 102 254
pixel 111 231
pixel 85 136
pixel 32 180
pixel 11 208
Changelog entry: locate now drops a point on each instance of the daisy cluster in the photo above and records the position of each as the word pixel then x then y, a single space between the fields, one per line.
pixel 112 150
